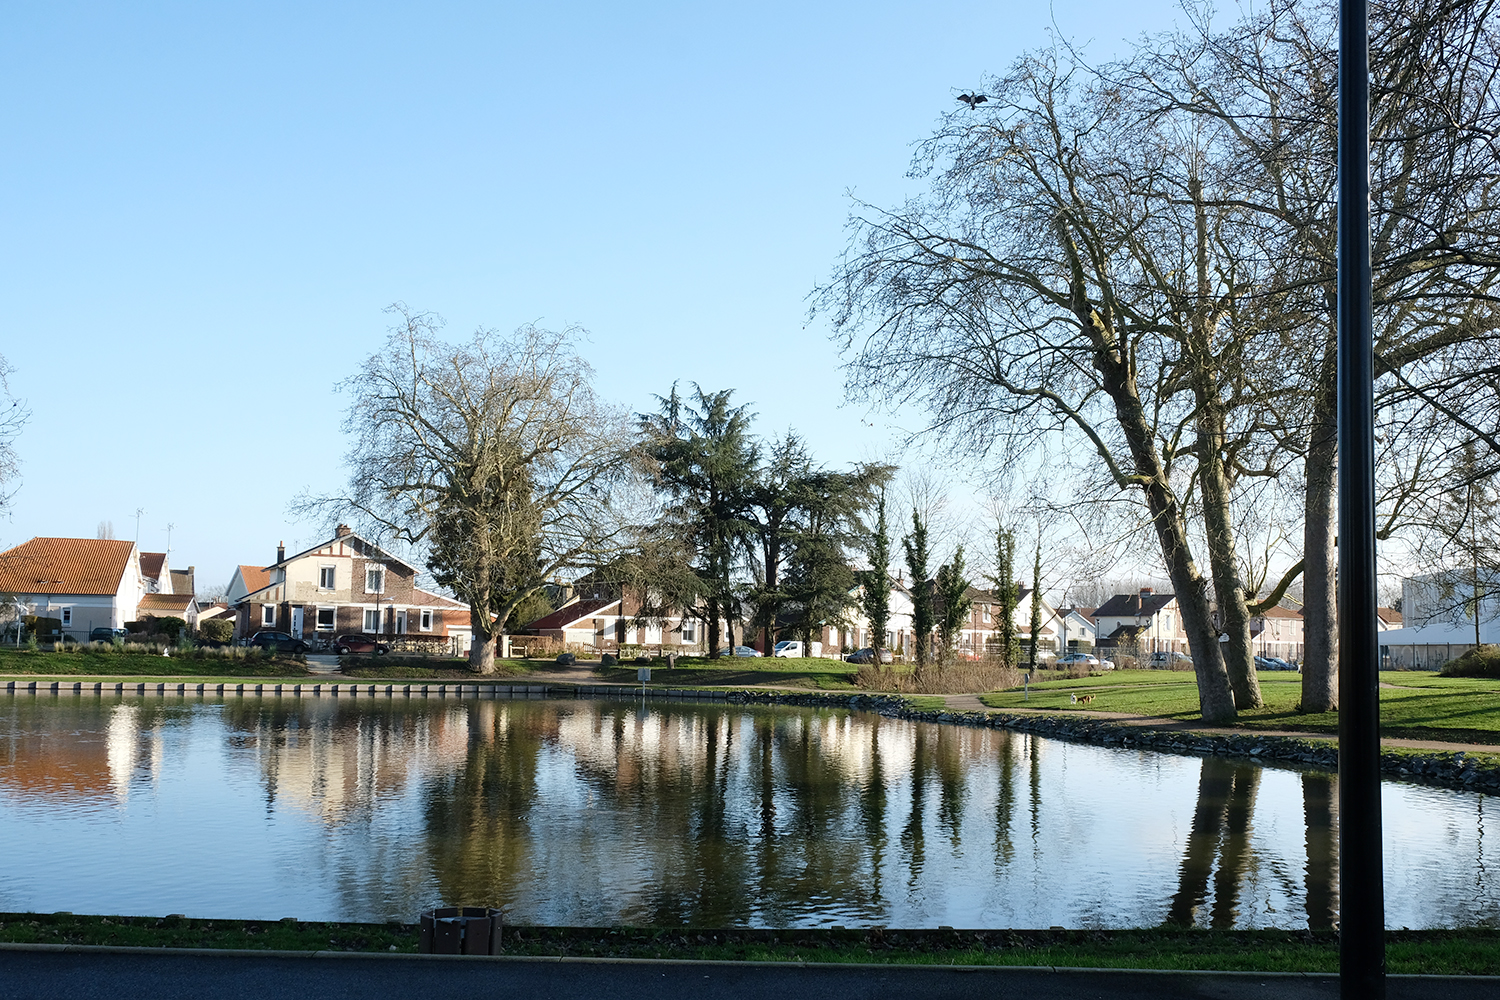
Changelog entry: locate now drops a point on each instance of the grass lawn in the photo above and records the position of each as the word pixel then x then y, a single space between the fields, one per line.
pixel 375 668
pixel 1416 705
pixel 96 663
pixel 1453 952
pixel 813 673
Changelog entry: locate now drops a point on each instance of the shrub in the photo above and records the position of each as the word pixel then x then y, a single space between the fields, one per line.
pixel 170 626
pixel 1481 662
pixel 217 630
pixel 962 677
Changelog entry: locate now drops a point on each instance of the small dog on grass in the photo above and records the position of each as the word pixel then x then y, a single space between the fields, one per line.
pixel 1080 701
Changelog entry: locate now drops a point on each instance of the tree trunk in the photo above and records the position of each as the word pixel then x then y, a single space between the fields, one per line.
pixel 1215 697
pixel 481 648
pixel 1234 619
pixel 1320 691
pixel 1113 361
pixel 713 625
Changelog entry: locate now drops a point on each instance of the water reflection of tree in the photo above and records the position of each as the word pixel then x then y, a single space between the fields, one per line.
pixel 1221 828
pixel 1321 822
pixel 478 834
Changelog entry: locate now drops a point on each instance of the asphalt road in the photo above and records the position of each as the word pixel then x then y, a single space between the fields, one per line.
pixel 86 974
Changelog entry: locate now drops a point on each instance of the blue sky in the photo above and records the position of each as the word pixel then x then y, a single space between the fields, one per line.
pixel 205 208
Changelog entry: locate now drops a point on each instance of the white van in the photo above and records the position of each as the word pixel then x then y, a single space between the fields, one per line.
pixel 787 647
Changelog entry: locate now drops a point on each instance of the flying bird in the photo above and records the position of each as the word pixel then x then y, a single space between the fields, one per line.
pixel 973 100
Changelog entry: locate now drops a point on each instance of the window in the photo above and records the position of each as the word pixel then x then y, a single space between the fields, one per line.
pixel 986 614
pixel 325 619
pixel 374 581
pixel 67 617
pixel 372 621
pixel 689 630
pixel 426 619
pixel 325 577
pixel 268 615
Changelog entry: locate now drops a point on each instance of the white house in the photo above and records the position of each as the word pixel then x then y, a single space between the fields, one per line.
pixel 86 583
pixel 1140 624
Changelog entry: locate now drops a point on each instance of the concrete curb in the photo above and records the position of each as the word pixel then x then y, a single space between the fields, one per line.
pixel 241 953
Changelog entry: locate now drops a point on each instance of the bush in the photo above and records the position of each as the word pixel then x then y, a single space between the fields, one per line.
pixel 962 677
pixel 170 626
pixel 1481 662
pixel 217 630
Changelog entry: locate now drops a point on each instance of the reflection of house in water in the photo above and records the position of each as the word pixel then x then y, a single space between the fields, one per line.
pixel 101 750
pixel 331 760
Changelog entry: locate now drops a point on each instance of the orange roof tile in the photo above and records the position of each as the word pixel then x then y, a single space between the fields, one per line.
pixel 151 564
pixel 65 566
pixel 255 578
pixel 165 602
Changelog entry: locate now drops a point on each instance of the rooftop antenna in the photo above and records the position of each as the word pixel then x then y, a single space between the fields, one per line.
pixel 138 512
pixel 170 526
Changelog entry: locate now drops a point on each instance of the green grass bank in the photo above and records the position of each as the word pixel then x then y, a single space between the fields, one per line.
pixel 1443 952
pixel 1413 704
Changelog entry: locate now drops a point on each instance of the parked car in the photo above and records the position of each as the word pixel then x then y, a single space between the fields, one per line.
pixel 107 634
pixel 867 655
pixel 737 651
pixel 359 644
pixel 1085 659
pixel 788 647
pixel 282 642
pixel 1272 663
pixel 1163 660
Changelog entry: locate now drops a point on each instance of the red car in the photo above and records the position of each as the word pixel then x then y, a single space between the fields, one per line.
pixel 359 644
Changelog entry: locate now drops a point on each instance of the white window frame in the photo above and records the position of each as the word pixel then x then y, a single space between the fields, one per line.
pixel 66 616
pixel 367 628
pixel 333 621
pixel 426 621
pixel 268 616
pixel 689 630
pixel 330 574
pixel 377 574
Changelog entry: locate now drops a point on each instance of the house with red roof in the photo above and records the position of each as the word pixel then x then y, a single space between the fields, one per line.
pixel 345 585
pixel 86 583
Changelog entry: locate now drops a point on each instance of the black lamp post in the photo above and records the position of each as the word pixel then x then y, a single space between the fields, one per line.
pixel 1361 869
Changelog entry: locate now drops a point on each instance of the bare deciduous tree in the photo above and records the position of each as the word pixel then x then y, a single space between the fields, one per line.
pixel 497 457
pixel 1075 267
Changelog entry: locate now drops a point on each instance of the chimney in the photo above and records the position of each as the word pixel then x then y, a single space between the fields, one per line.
pixel 281 551
pixel 1145 593
pixel 342 530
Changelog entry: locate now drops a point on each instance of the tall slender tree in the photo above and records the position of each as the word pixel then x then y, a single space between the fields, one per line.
pixel 917 557
pixel 1036 602
pixel 876 598
pixel 953 603
pixel 1007 590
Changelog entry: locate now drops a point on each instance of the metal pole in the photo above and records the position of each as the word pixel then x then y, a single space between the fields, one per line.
pixel 1361 876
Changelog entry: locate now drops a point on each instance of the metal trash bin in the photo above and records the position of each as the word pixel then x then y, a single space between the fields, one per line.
pixel 461 930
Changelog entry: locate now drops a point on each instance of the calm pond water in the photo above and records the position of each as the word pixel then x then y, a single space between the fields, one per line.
pixel 600 813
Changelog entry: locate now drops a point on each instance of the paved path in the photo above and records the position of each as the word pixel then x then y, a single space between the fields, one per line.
pixel 44 973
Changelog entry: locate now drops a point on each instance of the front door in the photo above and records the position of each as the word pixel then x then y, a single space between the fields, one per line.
pixel 400 622
pixel 297 622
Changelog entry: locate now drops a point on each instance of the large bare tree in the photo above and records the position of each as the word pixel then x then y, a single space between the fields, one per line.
pixel 497 457
pixel 1270 83
pixel 1079 270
